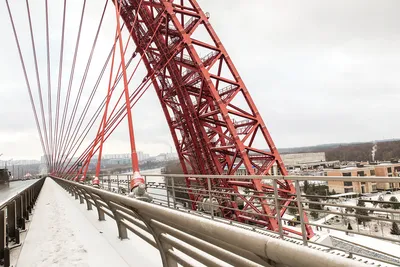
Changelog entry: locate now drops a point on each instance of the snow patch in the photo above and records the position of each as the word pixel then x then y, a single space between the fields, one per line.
pixel 60 235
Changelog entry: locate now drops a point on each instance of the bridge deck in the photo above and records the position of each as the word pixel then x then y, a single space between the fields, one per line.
pixel 62 233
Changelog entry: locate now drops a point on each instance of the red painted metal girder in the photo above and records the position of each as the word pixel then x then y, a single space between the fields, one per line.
pixel 205 103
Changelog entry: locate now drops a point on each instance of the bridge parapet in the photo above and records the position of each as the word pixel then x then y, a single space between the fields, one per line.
pixel 185 239
pixel 328 213
pixel 14 212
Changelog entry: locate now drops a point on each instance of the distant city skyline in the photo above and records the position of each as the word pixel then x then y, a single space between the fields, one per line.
pixel 141 155
pixel 173 151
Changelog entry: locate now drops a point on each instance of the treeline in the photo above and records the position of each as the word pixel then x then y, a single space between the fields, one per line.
pixel 363 152
pixel 386 151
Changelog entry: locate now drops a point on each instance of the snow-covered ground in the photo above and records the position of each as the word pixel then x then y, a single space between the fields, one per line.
pixel 382 230
pixel 64 233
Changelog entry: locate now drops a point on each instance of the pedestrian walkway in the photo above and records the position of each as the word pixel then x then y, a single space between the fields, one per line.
pixel 63 233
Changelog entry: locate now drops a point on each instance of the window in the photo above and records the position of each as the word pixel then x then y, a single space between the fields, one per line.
pixel 372 172
pixel 362 182
pixel 348 190
pixel 360 173
pixel 389 169
pixel 347 174
pixel 348 183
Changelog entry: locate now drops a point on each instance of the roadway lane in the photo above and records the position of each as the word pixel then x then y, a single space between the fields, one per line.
pixel 8 191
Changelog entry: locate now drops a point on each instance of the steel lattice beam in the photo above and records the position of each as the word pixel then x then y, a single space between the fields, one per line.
pixel 213 120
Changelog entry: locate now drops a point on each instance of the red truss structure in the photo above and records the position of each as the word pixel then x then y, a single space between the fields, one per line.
pixel 213 120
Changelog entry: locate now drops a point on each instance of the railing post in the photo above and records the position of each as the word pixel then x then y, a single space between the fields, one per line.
pixel 3 235
pixel 173 191
pixel 166 186
pixel 118 184
pixel 88 203
pixel 277 207
pixel 11 219
pixel 128 182
pixel 70 190
pixel 4 250
pixel 81 201
pixel 31 198
pixel 19 213
pixel 25 206
pixel 76 193
pixel 299 205
pixel 122 230
pixel 109 182
pixel 210 198
pixel 28 200
pixel 100 212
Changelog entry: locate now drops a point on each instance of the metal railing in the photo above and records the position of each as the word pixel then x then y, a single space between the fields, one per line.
pixel 14 212
pixel 188 240
pixel 336 213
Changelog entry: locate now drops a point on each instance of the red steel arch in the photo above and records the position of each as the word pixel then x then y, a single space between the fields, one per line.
pixel 213 120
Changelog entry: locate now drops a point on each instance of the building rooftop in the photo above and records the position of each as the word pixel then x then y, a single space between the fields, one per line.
pixel 352 169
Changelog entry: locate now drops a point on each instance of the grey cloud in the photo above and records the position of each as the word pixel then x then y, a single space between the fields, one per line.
pixel 319 71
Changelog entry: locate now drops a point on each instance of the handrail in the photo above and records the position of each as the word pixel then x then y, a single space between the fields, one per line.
pixel 169 229
pixel 5 202
pixel 169 192
pixel 14 212
pixel 377 179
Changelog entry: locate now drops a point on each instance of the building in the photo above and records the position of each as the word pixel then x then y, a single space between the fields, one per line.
pixel 291 161
pixel 348 187
pixel 116 156
pixel 124 157
pixel 387 170
pixel 375 170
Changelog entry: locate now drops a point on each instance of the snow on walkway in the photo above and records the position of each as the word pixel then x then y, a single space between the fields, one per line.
pixel 61 234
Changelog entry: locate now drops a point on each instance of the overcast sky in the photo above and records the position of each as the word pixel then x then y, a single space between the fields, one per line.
pixel 319 71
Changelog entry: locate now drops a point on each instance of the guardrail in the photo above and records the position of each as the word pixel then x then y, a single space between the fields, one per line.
pixel 204 241
pixel 332 213
pixel 14 212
